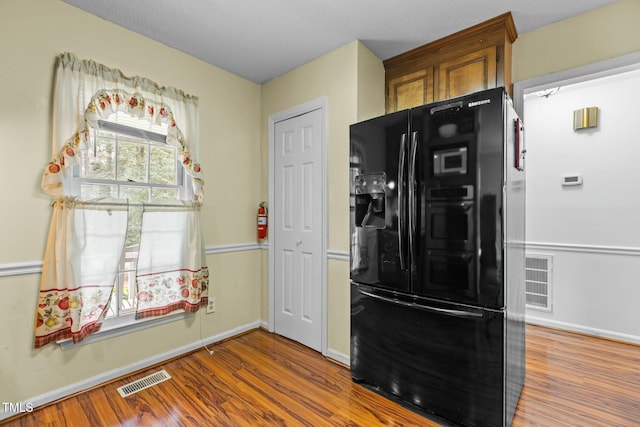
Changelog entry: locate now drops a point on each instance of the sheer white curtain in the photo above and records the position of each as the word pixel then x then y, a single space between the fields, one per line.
pixel 172 272
pixel 86 237
pixel 82 255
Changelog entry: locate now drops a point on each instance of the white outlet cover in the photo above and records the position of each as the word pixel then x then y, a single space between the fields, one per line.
pixel 211 305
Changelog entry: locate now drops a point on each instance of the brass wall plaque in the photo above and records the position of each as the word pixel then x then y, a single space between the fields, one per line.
pixel 585 118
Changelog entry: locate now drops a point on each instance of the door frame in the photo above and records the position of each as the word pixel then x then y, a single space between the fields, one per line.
pixel 316 104
pixel 578 74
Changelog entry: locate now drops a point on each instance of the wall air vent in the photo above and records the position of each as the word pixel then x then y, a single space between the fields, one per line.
pixel 142 383
pixel 538 274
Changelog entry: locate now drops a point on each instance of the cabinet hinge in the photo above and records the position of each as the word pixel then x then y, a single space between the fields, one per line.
pixel 497 57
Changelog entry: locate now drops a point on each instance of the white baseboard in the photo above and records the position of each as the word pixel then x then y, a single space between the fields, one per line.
pixel 338 357
pixel 87 383
pixel 572 327
pixel 330 353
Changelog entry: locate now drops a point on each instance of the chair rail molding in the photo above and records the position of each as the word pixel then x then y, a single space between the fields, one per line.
pixel 20 268
pixel 337 254
pixel 594 249
pixel 35 267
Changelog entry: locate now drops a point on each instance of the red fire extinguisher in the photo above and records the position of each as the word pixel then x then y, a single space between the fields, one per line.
pixel 262 222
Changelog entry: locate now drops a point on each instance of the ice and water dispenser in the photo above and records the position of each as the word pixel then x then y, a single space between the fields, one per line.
pixel 370 200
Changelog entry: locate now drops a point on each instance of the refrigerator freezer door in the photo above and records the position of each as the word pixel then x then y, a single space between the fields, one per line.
pixel 445 359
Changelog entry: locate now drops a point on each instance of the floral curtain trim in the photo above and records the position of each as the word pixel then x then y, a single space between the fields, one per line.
pixel 76 288
pixel 162 293
pixel 102 105
pixel 70 313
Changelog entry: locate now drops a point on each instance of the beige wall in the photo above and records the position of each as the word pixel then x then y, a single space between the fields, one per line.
pixel 601 34
pixel 352 79
pixel 334 76
pixel 34 32
pixel 371 97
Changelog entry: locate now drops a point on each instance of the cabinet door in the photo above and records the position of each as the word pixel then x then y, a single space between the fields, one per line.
pixel 410 90
pixel 467 74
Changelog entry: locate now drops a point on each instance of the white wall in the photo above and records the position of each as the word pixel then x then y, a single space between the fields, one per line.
pixel 592 230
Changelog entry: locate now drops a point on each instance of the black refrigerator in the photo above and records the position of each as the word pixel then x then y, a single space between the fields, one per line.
pixel 437 258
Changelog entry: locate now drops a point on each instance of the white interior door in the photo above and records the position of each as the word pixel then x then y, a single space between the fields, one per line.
pixel 297 228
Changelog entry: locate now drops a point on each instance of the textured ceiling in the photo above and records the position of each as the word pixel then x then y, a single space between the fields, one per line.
pixel 263 39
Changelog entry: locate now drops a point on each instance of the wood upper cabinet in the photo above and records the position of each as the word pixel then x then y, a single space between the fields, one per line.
pixel 410 90
pixel 474 59
pixel 468 73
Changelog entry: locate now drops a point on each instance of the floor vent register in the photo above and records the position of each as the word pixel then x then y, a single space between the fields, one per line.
pixel 538 282
pixel 142 383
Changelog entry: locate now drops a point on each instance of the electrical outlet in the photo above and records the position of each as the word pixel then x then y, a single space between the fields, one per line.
pixel 211 305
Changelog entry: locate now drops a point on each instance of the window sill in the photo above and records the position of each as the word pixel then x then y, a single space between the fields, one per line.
pixel 123 325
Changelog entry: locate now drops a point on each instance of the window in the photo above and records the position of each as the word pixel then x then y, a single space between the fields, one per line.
pixel 125 239
pixel 129 159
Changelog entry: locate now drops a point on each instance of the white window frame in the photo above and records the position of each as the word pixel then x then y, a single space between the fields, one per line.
pixel 122 323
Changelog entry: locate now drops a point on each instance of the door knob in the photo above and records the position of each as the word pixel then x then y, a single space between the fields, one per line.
pixel 298 242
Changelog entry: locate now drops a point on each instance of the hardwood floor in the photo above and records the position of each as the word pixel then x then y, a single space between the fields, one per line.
pixel 577 380
pixel 260 379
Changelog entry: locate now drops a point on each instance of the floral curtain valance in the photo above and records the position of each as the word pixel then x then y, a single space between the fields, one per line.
pixel 83 85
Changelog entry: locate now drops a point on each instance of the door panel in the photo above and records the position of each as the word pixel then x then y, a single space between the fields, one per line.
pixel 287 200
pixel 297 228
pixel 287 282
pixel 307 197
pixel 306 309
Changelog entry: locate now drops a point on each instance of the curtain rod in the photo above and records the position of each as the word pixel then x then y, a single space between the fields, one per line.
pixel 97 202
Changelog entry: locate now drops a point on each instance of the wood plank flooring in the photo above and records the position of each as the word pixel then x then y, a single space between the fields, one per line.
pixel 261 379
pixel 577 380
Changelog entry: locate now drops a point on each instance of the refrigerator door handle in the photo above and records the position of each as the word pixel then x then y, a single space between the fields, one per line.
pixel 447 107
pixel 401 203
pixel 412 195
pixel 438 310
